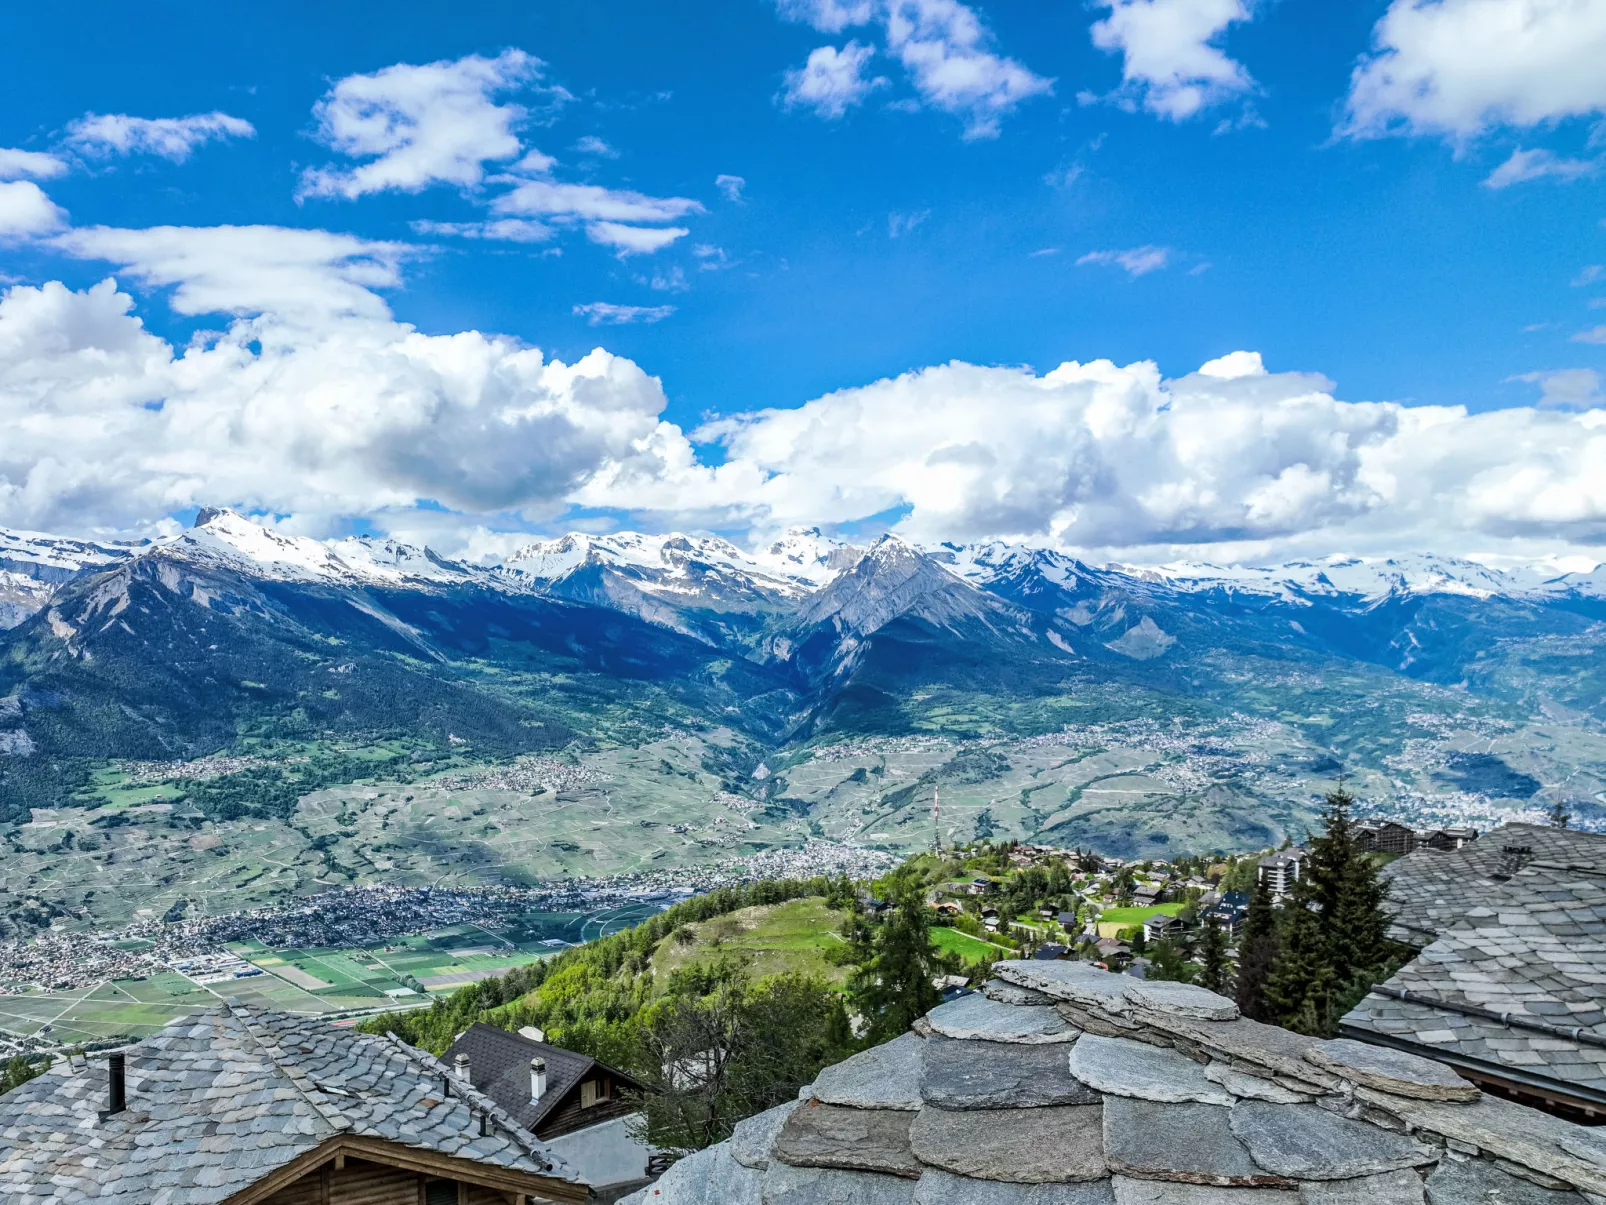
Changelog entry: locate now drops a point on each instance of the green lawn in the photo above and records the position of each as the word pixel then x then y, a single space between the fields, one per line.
pixel 771 940
pixel 971 949
pixel 1136 916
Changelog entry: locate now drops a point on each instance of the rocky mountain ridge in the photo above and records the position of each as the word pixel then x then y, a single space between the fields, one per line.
pixel 628 570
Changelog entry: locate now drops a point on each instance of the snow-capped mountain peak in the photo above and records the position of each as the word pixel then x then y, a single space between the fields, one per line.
pixel 33 564
pixel 804 552
pixel 222 536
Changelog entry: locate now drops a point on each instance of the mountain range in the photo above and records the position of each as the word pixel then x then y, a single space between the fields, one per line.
pixel 231 632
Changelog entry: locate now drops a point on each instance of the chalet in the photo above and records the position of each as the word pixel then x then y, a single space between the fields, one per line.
pixel 1051 951
pixel 1390 837
pixel 1145 895
pixel 577 1107
pixel 246 1106
pixel 1447 839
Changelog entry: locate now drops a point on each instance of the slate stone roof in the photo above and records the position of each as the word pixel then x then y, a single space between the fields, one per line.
pixel 499 1064
pixel 219 1099
pixel 1511 978
pixel 1062 1084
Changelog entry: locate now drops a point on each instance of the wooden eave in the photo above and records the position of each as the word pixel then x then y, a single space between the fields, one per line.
pixel 414 1159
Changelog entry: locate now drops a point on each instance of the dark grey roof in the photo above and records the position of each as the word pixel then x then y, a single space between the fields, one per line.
pixel 499 1065
pixel 1513 925
pixel 219 1099
pixel 1432 890
pixel 1138 1092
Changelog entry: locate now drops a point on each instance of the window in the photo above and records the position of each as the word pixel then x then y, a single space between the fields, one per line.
pixel 595 1092
pixel 440 1192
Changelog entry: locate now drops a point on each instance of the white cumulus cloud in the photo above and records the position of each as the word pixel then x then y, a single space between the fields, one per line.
pixel 547 198
pixel 110 425
pixel 15 164
pixel 309 400
pixel 1460 67
pixel 26 212
pixel 612 217
pixel 298 276
pixel 831 82
pixel 634 240
pixel 1102 457
pixel 435 123
pixel 1170 56
pixel 171 138
pixel 945 49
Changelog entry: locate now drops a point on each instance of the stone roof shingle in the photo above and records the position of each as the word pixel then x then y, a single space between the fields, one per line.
pixel 219 1099
pixel 1143 1094
pixel 1512 971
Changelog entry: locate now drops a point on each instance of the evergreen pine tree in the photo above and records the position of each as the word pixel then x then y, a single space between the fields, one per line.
pixel 894 987
pixel 1214 974
pixel 1299 992
pixel 1560 817
pixel 1342 883
pixel 1257 952
pixel 1166 963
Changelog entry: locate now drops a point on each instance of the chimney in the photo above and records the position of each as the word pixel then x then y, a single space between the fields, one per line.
pixel 116 1094
pixel 462 1069
pixel 537 1079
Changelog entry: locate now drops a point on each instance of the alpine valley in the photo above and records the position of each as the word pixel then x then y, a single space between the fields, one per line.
pixel 231 717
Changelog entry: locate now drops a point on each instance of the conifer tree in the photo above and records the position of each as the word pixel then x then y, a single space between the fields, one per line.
pixel 894 987
pixel 1166 963
pixel 1341 882
pixel 1257 952
pixel 1214 973
pixel 1299 992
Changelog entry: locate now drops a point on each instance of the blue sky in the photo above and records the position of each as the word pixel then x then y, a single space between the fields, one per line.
pixel 1405 199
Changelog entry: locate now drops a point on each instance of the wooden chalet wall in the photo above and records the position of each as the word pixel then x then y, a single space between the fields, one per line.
pixel 360 1182
pixel 570 1115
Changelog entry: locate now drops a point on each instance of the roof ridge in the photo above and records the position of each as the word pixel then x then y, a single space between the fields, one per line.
pixel 299 1079
pixel 515 1132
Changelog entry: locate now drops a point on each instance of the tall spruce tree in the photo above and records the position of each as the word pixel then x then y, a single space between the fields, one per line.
pixel 1341 881
pixel 895 986
pixel 1333 936
pixel 1215 973
pixel 1257 952
pixel 1299 992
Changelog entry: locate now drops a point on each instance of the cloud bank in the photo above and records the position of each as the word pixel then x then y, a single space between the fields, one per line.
pixel 313 403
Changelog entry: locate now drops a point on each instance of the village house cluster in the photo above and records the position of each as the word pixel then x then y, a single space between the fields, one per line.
pixel 361 917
